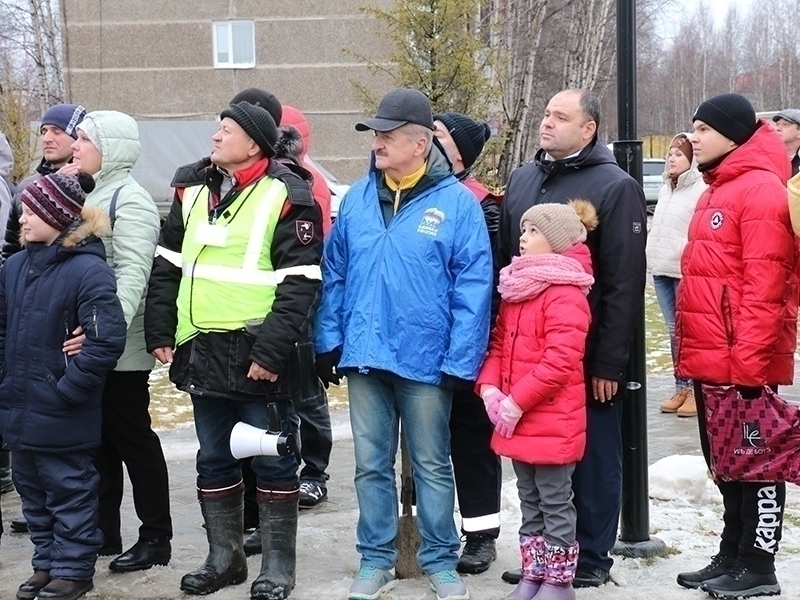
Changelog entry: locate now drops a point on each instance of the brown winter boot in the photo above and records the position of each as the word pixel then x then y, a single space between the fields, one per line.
pixel 675 401
pixel 688 408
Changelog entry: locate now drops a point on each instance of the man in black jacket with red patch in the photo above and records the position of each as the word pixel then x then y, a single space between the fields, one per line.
pixel 573 164
pixel 232 290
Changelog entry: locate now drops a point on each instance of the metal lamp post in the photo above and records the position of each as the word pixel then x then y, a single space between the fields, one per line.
pixel 634 537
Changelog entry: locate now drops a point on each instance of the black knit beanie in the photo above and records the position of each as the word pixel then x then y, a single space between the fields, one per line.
pixel 469 135
pixel 257 123
pixel 732 115
pixel 261 98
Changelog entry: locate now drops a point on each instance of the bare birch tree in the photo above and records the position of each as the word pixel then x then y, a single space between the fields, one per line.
pixel 33 39
pixel 519 25
pixel 589 42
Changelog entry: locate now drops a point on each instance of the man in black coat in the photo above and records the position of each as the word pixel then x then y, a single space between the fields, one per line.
pixel 232 292
pixel 573 164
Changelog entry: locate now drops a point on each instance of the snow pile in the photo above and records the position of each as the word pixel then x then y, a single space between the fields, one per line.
pixel 682 478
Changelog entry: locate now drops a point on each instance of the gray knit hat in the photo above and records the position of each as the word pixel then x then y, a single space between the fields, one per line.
pixel 563 225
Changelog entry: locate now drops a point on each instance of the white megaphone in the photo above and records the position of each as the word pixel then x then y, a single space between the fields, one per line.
pixel 247 440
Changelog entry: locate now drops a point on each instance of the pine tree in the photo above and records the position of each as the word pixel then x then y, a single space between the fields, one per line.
pixel 439 47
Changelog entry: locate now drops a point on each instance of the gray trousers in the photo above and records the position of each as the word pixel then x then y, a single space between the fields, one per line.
pixel 545 499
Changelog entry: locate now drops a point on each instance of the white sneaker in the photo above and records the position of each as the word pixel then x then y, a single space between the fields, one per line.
pixel 448 585
pixel 370 583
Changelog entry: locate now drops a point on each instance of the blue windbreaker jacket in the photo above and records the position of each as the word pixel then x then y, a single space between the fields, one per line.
pixel 413 298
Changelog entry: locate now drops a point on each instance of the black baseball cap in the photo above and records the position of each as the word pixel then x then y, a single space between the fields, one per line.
pixel 400 107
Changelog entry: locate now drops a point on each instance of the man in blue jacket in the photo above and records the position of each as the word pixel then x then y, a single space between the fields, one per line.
pixel 405 316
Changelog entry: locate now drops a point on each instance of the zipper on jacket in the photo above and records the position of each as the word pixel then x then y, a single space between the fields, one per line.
pixel 94 321
pixel 66 336
pixel 397 200
pixel 726 315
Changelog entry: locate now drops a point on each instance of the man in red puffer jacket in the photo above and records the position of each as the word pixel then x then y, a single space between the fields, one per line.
pixel 737 317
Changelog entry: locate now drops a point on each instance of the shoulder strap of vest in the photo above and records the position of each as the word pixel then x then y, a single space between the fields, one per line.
pixel 112 209
pixel 299 188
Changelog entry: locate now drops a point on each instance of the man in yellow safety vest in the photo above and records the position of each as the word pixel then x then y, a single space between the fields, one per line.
pixel 232 290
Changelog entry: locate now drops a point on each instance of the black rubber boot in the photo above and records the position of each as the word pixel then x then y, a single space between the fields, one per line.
pixel 277 509
pixel 222 504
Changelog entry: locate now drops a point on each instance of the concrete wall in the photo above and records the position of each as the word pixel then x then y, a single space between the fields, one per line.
pixel 154 59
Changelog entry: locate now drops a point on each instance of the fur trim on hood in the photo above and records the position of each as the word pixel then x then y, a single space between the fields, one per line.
pixel 289 144
pixel 94 222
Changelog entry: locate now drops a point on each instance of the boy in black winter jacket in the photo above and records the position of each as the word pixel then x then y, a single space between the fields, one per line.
pixel 50 414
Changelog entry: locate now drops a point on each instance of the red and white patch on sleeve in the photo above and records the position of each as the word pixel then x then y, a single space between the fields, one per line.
pixel 305 231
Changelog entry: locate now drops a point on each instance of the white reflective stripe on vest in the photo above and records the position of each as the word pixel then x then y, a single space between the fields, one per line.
pixel 170 255
pixel 249 277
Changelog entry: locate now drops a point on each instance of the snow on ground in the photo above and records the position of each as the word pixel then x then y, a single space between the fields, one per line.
pixel 685 513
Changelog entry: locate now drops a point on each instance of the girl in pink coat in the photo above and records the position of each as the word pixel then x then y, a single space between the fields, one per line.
pixel 533 388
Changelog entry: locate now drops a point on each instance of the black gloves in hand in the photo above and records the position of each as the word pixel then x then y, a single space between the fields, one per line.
pixel 455 384
pixel 327 367
pixel 749 393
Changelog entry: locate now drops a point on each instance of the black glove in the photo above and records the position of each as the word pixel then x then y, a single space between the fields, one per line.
pixel 455 384
pixel 327 367
pixel 749 393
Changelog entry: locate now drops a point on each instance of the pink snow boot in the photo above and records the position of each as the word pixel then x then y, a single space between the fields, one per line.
pixel 531 548
pixel 560 564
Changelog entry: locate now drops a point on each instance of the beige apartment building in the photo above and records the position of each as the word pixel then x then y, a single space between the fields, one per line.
pixel 182 60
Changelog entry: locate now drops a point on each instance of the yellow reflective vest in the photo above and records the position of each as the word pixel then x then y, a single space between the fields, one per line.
pixel 227 278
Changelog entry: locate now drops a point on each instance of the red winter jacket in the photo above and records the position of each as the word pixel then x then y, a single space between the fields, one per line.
pixel 737 302
pixel 536 355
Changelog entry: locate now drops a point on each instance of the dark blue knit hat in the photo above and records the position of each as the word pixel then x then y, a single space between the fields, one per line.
pixel 65 116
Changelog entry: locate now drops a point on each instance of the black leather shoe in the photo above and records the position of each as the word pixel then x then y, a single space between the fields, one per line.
pixel 479 552
pixel 19 525
pixel 694 579
pixel 741 582
pixel 252 545
pixel 65 589
pixel 590 576
pixel 30 589
pixel 512 576
pixel 143 555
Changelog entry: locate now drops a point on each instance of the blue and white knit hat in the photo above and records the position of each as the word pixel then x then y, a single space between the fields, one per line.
pixel 65 116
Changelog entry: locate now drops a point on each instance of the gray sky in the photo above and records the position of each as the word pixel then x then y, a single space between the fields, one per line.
pixel 718 7
pixel 672 17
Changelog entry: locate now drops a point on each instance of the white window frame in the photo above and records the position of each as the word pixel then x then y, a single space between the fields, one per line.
pixel 231 64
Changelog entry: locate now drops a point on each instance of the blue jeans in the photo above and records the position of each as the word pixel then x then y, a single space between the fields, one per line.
pixel 377 405
pixel 666 292
pixel 214 419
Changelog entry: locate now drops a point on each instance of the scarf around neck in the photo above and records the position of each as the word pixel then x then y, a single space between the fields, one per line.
pixel 528 276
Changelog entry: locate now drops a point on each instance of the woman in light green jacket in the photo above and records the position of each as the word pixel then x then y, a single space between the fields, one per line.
pixel 107 148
